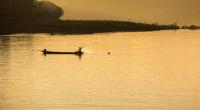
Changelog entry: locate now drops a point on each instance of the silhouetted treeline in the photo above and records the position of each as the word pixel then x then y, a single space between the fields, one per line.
pixel 81 27
pixel 32 16
pixel 28 9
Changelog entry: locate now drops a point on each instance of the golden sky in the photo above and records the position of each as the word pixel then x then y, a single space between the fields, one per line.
pixel 161 11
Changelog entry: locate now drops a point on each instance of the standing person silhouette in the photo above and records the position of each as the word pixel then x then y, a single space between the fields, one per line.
pixel 80 49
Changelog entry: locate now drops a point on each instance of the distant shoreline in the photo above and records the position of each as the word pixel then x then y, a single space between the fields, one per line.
pixel 78 27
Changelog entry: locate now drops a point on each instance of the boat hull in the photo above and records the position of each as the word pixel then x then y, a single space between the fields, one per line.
pixel 67 53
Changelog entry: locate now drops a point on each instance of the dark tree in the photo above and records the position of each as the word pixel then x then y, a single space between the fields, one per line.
pixel 47 10
pixel 29 9
pixel 16 8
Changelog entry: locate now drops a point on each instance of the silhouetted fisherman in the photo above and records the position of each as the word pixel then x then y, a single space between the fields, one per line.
pixel 44 51
pixel 80 49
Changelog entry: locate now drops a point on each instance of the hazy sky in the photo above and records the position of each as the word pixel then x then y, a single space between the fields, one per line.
pixel 161 11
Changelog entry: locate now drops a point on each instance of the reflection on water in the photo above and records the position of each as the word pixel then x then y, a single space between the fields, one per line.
pixel 145 71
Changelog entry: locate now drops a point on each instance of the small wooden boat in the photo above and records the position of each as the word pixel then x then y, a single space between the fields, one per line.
pixel 78 52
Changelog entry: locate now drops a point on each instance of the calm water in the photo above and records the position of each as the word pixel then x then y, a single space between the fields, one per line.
pixel 145 71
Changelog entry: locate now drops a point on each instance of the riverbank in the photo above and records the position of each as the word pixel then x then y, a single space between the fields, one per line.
pixel 78 27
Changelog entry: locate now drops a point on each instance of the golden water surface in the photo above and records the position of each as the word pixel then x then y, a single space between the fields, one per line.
pixel 145 71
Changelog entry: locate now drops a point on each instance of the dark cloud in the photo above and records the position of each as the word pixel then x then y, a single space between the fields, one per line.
pixel 29 9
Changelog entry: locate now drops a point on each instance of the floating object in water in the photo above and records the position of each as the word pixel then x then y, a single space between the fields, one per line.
pixel 109 53
pixel 51 33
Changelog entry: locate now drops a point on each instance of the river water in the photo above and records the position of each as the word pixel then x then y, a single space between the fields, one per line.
pixel 145 71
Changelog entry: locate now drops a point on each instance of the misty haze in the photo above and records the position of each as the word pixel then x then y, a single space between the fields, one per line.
pixel 161 11
pixel 99 55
